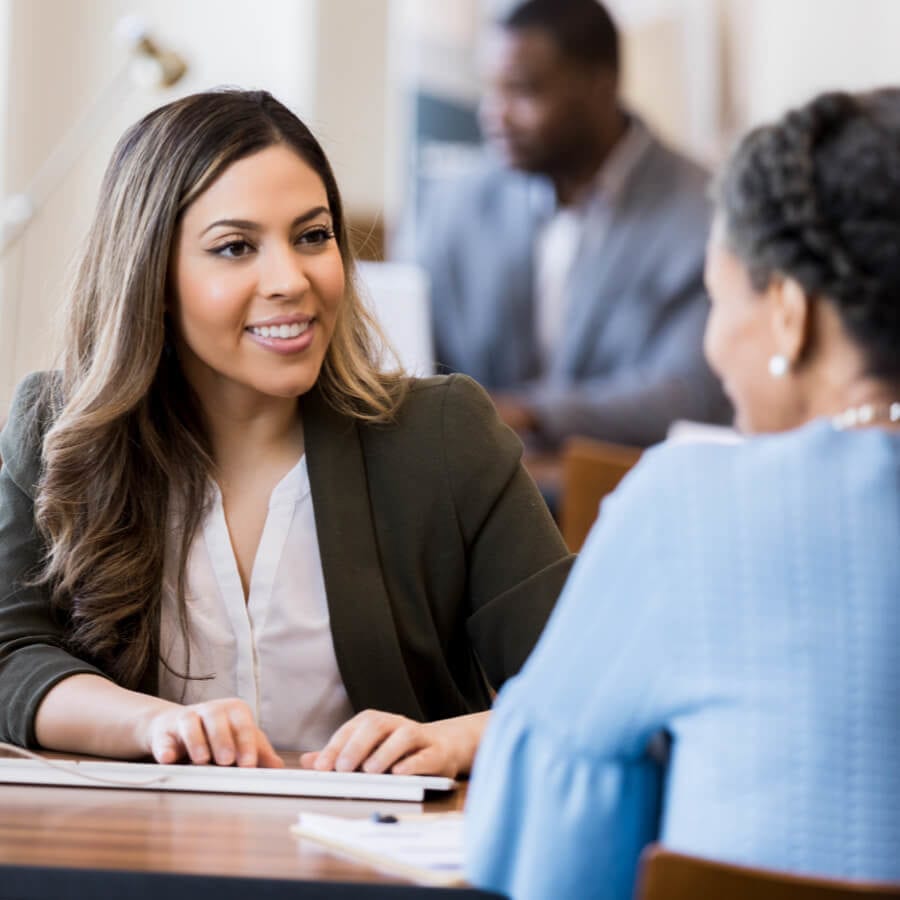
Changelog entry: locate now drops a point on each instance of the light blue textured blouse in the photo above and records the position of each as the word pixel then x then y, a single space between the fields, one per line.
pixel 746 600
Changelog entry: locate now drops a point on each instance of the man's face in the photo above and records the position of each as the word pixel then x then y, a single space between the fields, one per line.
pixel 539 108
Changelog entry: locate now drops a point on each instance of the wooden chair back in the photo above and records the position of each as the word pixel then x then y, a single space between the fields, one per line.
pixel 665 875
pixel 590 470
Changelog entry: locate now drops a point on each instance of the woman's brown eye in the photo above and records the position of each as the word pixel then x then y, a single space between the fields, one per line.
pixel 232 250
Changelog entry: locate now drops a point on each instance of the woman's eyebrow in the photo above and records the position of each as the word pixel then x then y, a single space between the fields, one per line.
pixel 248 225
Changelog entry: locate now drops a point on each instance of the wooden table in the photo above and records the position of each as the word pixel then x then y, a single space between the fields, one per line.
pixel 101 843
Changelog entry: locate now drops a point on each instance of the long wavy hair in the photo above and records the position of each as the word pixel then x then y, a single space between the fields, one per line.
pixel 128 443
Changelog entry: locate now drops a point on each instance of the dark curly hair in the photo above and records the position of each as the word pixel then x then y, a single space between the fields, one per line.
pixel 816 197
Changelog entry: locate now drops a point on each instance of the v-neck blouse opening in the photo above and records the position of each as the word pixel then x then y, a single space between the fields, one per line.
pixel 274 650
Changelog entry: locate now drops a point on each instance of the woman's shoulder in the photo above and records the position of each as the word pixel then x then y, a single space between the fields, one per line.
pixel 431 386
pixel 29 416
pixel 766 463
pixel 439 398
pixel 29 390
pixel 450 418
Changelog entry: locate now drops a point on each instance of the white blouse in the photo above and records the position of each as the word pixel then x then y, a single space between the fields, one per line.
pixel 275 650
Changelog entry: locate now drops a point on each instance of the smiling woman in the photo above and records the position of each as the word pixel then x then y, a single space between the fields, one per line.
pixel 256 298
pixel 223 526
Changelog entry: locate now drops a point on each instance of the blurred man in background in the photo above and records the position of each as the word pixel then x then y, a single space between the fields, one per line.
pixel 567 277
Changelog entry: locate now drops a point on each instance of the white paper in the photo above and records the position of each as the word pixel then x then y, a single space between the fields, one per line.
pixel 427 848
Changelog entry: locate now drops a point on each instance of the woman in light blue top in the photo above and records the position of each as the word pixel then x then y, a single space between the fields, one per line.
pixel 743 601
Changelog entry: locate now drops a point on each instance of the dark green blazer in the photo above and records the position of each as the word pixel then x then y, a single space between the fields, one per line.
pixel 440 559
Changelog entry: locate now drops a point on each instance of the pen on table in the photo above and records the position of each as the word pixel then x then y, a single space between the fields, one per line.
pixel 384 818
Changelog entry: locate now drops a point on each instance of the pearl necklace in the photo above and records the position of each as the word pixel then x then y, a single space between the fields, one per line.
pixel 866 414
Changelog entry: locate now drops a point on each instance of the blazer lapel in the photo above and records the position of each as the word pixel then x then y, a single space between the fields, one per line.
pixel 605 263
pixel 365 640
pixel 596 279
pixel 496 290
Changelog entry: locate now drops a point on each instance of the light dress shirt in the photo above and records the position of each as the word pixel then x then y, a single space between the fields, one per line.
pixel 275 650
pixel 558 241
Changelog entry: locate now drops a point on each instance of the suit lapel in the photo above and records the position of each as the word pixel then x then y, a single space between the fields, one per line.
pixel 365 640
pixel 498 293
pixel 604 264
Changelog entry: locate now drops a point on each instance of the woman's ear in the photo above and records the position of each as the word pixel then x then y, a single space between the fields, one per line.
pixel 791 318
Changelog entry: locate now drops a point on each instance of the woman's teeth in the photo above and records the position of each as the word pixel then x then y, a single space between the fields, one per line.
pixel 280 331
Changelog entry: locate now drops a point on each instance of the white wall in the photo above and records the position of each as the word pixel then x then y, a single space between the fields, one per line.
pixel 788 51
pixel 703 71
pixel 350 102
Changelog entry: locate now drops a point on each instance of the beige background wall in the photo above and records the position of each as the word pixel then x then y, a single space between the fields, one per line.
pixel 789 50
pixel 705 70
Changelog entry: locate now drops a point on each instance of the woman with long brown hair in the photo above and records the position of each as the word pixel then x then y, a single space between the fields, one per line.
pixel 223 526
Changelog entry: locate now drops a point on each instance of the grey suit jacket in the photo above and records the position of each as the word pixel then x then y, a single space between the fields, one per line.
pixel 630 359
pixel 440 559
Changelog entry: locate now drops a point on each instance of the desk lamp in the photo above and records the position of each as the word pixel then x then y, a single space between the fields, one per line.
pixel 149 65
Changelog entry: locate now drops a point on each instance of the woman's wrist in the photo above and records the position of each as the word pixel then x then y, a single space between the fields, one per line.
pixel 139 727
pixel 462 735
pixel 87 713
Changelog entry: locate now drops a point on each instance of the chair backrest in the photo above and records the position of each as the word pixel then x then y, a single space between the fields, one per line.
pixel 590 470
pixel 665 875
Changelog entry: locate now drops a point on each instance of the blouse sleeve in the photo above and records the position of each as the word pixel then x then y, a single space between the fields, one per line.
pixel 564 794
pixel 32 658
pixel 517 559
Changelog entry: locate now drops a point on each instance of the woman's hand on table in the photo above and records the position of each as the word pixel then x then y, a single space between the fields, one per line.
pixel 222 732
pixel 379 742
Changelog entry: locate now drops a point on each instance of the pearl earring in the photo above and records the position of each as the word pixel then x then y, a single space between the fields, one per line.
pixel 778 365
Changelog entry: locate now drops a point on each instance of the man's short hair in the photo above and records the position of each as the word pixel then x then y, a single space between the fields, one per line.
pixel 582 29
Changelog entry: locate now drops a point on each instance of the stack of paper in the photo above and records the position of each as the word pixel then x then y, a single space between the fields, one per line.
pixel 427 849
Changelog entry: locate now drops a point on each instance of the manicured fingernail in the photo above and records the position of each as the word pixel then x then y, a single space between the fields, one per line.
pixel 343 764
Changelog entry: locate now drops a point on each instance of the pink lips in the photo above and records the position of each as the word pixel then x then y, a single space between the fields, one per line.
pixel 284 346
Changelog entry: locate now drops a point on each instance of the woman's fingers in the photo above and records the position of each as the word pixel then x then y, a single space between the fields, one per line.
pixel 223 727
pixel 165 748
pixel 219 731
pixel 406 738
pixel 379 742
pixel 308 759
pixel 430 760
pixel 327 756
pixel 190 732
pixel 266 755
pixel 416 749
pixel 355 740
pixel 372 729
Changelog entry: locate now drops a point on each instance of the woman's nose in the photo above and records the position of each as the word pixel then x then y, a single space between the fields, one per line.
pixel 282 272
